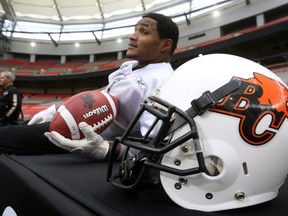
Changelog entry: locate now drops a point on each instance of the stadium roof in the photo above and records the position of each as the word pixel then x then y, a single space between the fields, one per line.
pixel 101 17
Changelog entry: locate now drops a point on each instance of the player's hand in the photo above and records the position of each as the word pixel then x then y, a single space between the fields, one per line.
pixel 92 144
pixel 43 116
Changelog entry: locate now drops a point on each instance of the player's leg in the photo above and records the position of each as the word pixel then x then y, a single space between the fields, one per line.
pixel 26 139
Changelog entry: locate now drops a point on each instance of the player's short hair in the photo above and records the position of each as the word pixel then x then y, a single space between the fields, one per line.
pixel 166 28
pixel 9 74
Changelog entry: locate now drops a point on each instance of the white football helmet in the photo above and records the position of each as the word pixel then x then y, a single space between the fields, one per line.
pixel 221 140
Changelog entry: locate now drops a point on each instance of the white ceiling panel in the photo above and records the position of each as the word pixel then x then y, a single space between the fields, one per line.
pixel 107 15
pixel 69 10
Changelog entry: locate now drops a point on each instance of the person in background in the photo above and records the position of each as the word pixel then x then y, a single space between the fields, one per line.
pixel 10 101
pixel 150 49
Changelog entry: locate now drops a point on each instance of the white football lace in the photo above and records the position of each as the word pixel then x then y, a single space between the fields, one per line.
pixel 103 122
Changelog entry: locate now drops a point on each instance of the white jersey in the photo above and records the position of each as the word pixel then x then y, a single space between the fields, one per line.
pixel 132 87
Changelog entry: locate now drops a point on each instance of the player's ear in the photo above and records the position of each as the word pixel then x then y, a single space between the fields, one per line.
pixel 166 45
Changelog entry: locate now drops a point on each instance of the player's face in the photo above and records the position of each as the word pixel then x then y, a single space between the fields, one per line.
pixel 144 43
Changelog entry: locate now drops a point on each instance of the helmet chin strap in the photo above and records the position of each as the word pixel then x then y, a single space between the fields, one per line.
pixel 205 102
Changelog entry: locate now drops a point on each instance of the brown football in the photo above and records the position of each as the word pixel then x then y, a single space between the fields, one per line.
pixel 96 108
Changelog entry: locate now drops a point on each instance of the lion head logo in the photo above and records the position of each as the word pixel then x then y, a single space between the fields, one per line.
pixel 88 100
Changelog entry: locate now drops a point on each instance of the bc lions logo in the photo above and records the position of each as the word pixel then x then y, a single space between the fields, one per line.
pixel 256 98
pixel 88 101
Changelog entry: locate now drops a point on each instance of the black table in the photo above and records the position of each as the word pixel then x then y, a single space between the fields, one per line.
pixel 67 184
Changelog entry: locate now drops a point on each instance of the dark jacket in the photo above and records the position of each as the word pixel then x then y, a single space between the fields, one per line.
pixel 10 103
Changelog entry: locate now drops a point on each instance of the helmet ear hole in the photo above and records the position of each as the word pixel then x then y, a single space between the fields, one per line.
pixel 211 170
pixel 214 165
